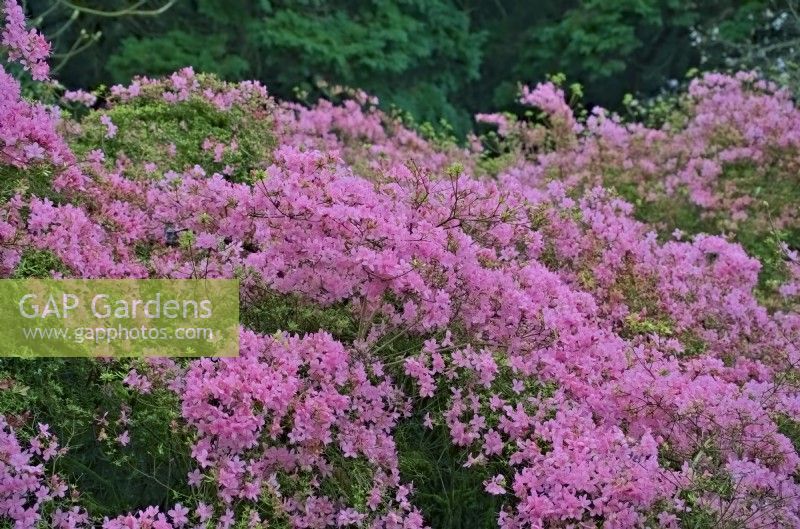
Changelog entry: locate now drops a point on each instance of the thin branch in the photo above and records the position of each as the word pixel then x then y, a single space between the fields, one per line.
pixel 128 11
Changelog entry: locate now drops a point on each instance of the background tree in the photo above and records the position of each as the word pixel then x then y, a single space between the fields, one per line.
pixel 435 59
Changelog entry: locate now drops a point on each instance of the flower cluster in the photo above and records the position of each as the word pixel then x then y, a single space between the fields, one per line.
pixel 611 372
pixel 25 486
pixel 26 46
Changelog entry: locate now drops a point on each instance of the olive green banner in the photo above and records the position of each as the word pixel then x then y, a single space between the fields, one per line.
pixel 119 318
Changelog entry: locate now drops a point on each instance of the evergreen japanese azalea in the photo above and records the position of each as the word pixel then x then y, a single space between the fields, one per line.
pixel 587 308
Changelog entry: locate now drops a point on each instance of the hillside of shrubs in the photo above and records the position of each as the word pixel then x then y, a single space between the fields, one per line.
pixel 571 320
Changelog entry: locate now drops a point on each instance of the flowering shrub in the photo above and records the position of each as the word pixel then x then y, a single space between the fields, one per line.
pixel 722 163
pixel 153 127
pixel 594 354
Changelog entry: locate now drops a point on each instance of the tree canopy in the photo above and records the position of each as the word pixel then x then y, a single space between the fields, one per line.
pixel 435 59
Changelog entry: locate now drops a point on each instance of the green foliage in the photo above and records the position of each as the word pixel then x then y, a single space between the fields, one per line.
pixel 635 324
pixel 609 47
pixel 147 127
pixel 350 478
pixel 790 428
pixel 662 110
pixel 38 264
pixel 494 165
pixel 760 35
pixel 417 54
pixel 270 312
pixel 164 54
pixel 437 59
pixel 82 400
pixel 698 515
pixel 772 192
pixel 449 495
pixel 34 180
pixel 441 134
pixel 596 37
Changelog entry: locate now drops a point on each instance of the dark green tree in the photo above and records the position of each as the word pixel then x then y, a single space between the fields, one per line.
pixel 436 59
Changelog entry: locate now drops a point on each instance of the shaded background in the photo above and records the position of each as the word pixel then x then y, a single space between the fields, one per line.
pixel 437 59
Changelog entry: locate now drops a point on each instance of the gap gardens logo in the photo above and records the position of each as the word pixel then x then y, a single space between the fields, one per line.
pixel 111 318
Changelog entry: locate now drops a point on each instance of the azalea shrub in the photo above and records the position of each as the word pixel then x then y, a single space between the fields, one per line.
pixel 572 321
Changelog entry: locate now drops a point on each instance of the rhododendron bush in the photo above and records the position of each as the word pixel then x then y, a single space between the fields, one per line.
pixel 596 319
